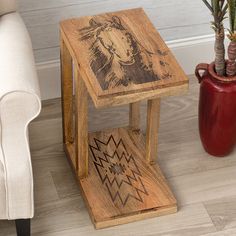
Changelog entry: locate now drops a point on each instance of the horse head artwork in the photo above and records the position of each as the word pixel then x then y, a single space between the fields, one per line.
pixel 117 58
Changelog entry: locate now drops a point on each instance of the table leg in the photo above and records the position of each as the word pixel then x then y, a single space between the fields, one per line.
pixel 67 94
pixel 153 118
pixel 81 124
pixel 134 116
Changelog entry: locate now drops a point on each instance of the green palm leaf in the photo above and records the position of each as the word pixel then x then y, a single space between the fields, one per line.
pixel 218 9
pixel 232 18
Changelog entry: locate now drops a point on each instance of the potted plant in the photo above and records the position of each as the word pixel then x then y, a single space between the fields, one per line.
pixel 217 102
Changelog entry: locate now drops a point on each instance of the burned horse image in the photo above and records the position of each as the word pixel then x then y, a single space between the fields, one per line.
pixel 117 58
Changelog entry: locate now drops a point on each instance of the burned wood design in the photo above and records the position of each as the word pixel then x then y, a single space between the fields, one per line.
pixel 117 58
pixel 118 170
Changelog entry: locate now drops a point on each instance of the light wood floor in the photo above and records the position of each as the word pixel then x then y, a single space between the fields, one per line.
pixel 205 187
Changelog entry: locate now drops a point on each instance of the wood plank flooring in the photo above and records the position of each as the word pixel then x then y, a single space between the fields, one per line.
pixel 205 187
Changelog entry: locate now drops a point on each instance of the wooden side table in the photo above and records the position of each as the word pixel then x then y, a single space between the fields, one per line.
pixel 117 58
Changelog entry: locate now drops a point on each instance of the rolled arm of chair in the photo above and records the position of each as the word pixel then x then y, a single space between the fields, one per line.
pixel 19 104
pixel 17 109
pixel 7 6
pixel 17 67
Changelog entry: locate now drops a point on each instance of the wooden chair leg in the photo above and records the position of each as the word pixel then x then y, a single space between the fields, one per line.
pixel 23 227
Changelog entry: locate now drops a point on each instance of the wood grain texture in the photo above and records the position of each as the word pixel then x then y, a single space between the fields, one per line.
pixel 204 186
pixel 81 124
pixel 152 94
pixel 153 120
pixel 124 57
pixel 222 212
pixel 116 57
pixel 134 116
pixel 222 233
pixel 67 94
pixel 46 37
pixel 196 178
pixel 121 187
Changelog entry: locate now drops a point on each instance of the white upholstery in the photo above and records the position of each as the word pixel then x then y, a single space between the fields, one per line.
pixel 7 6
pixel 19 104
pixel 2 192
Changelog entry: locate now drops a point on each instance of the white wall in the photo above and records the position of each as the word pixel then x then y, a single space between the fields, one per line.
pixel 175 19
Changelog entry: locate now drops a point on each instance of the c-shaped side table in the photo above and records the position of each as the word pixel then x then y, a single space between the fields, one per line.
pixel 117 58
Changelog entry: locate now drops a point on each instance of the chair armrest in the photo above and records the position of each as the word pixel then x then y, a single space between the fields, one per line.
pixel 17 67
pixel 17 109
pixel 7 6
pixel 19 104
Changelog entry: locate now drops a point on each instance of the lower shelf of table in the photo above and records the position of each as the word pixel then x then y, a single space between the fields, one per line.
pixel 121 186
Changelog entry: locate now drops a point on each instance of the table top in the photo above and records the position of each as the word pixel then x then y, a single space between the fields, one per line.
pixel 121 55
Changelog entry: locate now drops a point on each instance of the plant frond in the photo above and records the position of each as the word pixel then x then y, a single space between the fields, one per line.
pixel 215 7
pixel 224 10
pixel 232 8
pixel 208 5
pixel 218 10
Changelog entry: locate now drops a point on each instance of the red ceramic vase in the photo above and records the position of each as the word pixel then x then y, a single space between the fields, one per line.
pixel 217 111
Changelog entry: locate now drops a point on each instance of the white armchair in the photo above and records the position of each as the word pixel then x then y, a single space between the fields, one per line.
pixel 19 104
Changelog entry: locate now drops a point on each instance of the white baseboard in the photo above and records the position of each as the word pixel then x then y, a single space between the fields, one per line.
pixel 189 52
pixel 49 79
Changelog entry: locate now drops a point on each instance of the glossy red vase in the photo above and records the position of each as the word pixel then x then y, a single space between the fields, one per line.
pixel 217 111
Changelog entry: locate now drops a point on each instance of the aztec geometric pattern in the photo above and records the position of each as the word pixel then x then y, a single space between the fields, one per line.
pixel 118 170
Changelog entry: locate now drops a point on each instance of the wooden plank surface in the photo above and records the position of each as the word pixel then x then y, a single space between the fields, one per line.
pixel 67 94
pixel 153 120
pixel 121 187
pixel 47 48
pixel 60 209
pixel 222 212
pixel 81 124
pixel 124 57
pixel 134 116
